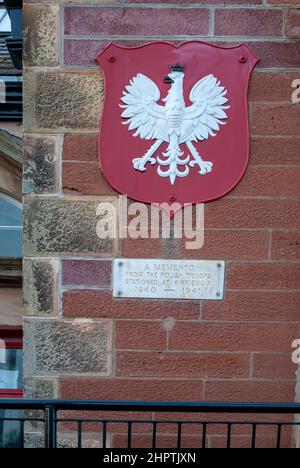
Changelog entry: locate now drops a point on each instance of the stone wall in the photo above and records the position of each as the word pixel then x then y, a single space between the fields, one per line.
pixel 93 346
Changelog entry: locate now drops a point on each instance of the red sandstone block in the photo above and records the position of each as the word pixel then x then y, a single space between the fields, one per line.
pixel 84 179
pixel 119 416
pixel 252 213
pixel 276 54
pixel 80 148
pixel 89 303
pixel 163 441
pixel 275 151
pixel 269 182
pixel 250 391
pixel 264 276
pixel 203 2
pixel 230 336
pixel 292 27
pixel 248 22
pixel 266 438
pixel 272 86
pixel 84 52
pixel 137 334
pixel 275 119
pixel 142 248
pixel 156 248
pixel 172 364
pixel 283 2
pixel 216 429
pixel 285 245
pixel 254 306
pixel 86 272
pixel 271 54
pixel 189 428
pixel 274 366
pixel 231 244
pixel 136 21
pixel 130 389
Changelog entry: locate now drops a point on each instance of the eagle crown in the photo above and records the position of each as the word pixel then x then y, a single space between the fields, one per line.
pixel 175 79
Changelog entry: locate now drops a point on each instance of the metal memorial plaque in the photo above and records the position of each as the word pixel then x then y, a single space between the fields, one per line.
pixel 168 279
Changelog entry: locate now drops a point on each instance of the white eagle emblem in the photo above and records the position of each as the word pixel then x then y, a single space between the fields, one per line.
pixel 174 123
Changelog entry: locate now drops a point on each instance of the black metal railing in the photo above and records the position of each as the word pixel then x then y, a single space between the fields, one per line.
pixel 134 424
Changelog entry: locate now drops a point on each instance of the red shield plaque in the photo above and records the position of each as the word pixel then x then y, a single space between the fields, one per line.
pixel 175 121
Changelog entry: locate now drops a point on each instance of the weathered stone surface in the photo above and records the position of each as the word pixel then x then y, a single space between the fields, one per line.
pixel 89 440
pixel 40 164
pixel 63 100
pixel 34 439
pixel 57 226
pixel 41 35
pixel 66 440
pixel 36 387
pixel 40 286
pixel 67 346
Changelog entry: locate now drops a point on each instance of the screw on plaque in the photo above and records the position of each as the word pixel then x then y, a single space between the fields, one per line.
pixel 111 59
pixel 243 59
pixel 218 294
pixel 119 293
pixel 120 264
pixel 219 265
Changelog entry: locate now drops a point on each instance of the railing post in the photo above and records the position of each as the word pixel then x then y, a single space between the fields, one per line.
pixel 50 427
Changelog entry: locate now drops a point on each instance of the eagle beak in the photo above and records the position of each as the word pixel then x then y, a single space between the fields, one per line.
pixel 168 80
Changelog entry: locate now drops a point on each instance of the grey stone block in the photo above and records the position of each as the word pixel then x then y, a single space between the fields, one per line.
pixel 40 286
pixel 67 347
pixel 56 226
pixel 40 164
pixel 63 100
pixel 41 33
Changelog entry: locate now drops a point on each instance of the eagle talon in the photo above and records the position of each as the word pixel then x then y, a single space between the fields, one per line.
pixel 205 166
pixel 140 163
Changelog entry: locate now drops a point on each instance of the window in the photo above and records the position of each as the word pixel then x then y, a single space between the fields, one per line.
pixel 11 234
pixel 5 24
pixel 11 381
pixel 11 363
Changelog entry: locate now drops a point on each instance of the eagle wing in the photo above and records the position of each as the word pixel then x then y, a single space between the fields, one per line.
pixel 142 113
pixel 204 117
